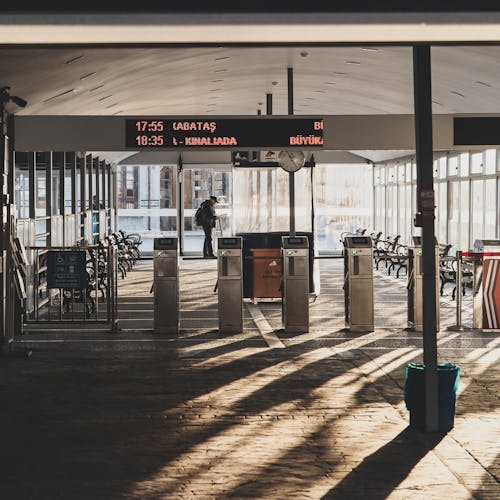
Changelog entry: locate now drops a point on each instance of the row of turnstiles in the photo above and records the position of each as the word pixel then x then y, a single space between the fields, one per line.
pixel 358 284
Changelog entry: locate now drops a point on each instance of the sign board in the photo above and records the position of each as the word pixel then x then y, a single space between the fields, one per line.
pixel 476 131
pixel 66 269
pixel 234 133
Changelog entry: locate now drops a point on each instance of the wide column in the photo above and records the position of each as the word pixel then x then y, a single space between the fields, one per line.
pixel 425 219
pixel 4 229
pixel 291 175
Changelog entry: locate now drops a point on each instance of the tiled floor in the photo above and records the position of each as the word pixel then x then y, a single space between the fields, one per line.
pixel 317 415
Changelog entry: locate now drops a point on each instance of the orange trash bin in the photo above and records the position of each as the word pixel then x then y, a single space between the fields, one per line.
pixel 266 272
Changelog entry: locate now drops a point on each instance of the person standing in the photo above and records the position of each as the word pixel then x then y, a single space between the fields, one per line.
pixel 207 220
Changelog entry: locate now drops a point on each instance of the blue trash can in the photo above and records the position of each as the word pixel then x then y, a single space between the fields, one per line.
pixel 448 378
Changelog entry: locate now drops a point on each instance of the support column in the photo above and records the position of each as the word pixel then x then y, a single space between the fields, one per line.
pixel 83 194
pixel 5 339
pixel 180 205
pixel 291 175
pixel 425 219
pixel 32 184
pixel 270 173
pixel 62 187
pixel 102 196
pixel 48 196
pixel 73 168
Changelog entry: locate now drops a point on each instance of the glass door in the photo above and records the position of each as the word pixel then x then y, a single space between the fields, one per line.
pixel 199 183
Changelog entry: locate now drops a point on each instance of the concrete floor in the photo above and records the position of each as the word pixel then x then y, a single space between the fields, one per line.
pixel 255 415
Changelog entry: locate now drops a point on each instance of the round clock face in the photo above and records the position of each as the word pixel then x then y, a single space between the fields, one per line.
pixel 291 161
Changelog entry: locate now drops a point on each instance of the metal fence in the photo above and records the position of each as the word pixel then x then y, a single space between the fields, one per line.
pixel 95 301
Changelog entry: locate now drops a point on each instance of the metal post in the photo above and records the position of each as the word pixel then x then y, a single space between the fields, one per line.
pixel 62 187
pixel 425 197
pixel 32 184
pixel 5 329
pixel 103 185
pixel 269 111
pixel 83 194
pixel 291 175
pixel 180 205
pixel 269 104
pixel 48 196
pixel 458 327
pixel 73 166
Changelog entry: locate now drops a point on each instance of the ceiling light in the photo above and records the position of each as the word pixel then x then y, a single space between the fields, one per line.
pixel 117 112
pixel 74 59
pixel 330 83
pixel 214 90
pixel 483 84
pixel 105 97
pixel 310 98
pixel 66 92
pixel 220 70
pixel 221 58
pixel 339 73
pixel 213 97
pixel 84 77
pixel 304 53
pixel 320 91
pixel 217 81
pixel 275 83
pixel 357 63
pixel 111 106
pixel 369 49
pixel 457 93
pixel 96 88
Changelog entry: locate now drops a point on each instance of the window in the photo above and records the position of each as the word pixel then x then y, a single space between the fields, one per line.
pixel 476 163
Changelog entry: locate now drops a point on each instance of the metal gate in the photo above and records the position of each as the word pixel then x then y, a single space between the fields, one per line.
pixel 74 285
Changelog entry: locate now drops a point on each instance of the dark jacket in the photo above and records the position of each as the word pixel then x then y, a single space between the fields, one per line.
pixel 208 214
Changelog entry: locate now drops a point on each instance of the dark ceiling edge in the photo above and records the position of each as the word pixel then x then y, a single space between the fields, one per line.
pixel 221 45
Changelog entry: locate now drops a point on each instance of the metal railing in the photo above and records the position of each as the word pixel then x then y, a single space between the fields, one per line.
pixel 95 302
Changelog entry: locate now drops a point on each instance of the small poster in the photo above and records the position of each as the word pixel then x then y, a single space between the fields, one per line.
pixel 66 269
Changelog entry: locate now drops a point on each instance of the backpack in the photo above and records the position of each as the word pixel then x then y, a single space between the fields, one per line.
pixel 201 214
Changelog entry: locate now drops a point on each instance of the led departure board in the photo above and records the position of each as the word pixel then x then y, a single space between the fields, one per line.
pixel 157 133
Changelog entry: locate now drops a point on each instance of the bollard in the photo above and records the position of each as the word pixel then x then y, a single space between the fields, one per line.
pixel 458 327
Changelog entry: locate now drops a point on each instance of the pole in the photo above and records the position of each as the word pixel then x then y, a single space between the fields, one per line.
pixel 291 175
pixel 180 205
pixel 425 218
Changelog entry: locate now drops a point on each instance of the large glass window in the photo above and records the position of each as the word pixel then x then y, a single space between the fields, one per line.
pixel 442 210
pixel 490 204
pixel 464 214
pixel 477 209
pixel 343 202
pixel 454 215
pixel 476 163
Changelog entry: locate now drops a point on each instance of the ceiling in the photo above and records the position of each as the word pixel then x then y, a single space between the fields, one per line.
pixel 235 80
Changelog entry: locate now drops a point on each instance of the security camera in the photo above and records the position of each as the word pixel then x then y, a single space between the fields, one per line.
pixel 19 101
pixel 5 97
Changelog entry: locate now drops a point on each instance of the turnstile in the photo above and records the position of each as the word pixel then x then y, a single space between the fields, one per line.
pixel 230 284
pixel 486 295
pixel 295 288
pixel 415 285
pixel 166 285
pixel 358 283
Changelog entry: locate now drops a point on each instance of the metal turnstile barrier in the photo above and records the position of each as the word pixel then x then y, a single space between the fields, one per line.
pixel 358 283
pixel 166 285
pixel 415 285
pixel 486 285
pixel 230 284
pixel 295 288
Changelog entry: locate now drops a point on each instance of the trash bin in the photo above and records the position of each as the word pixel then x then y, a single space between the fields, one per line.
pixel 266 272
pixel 448 378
